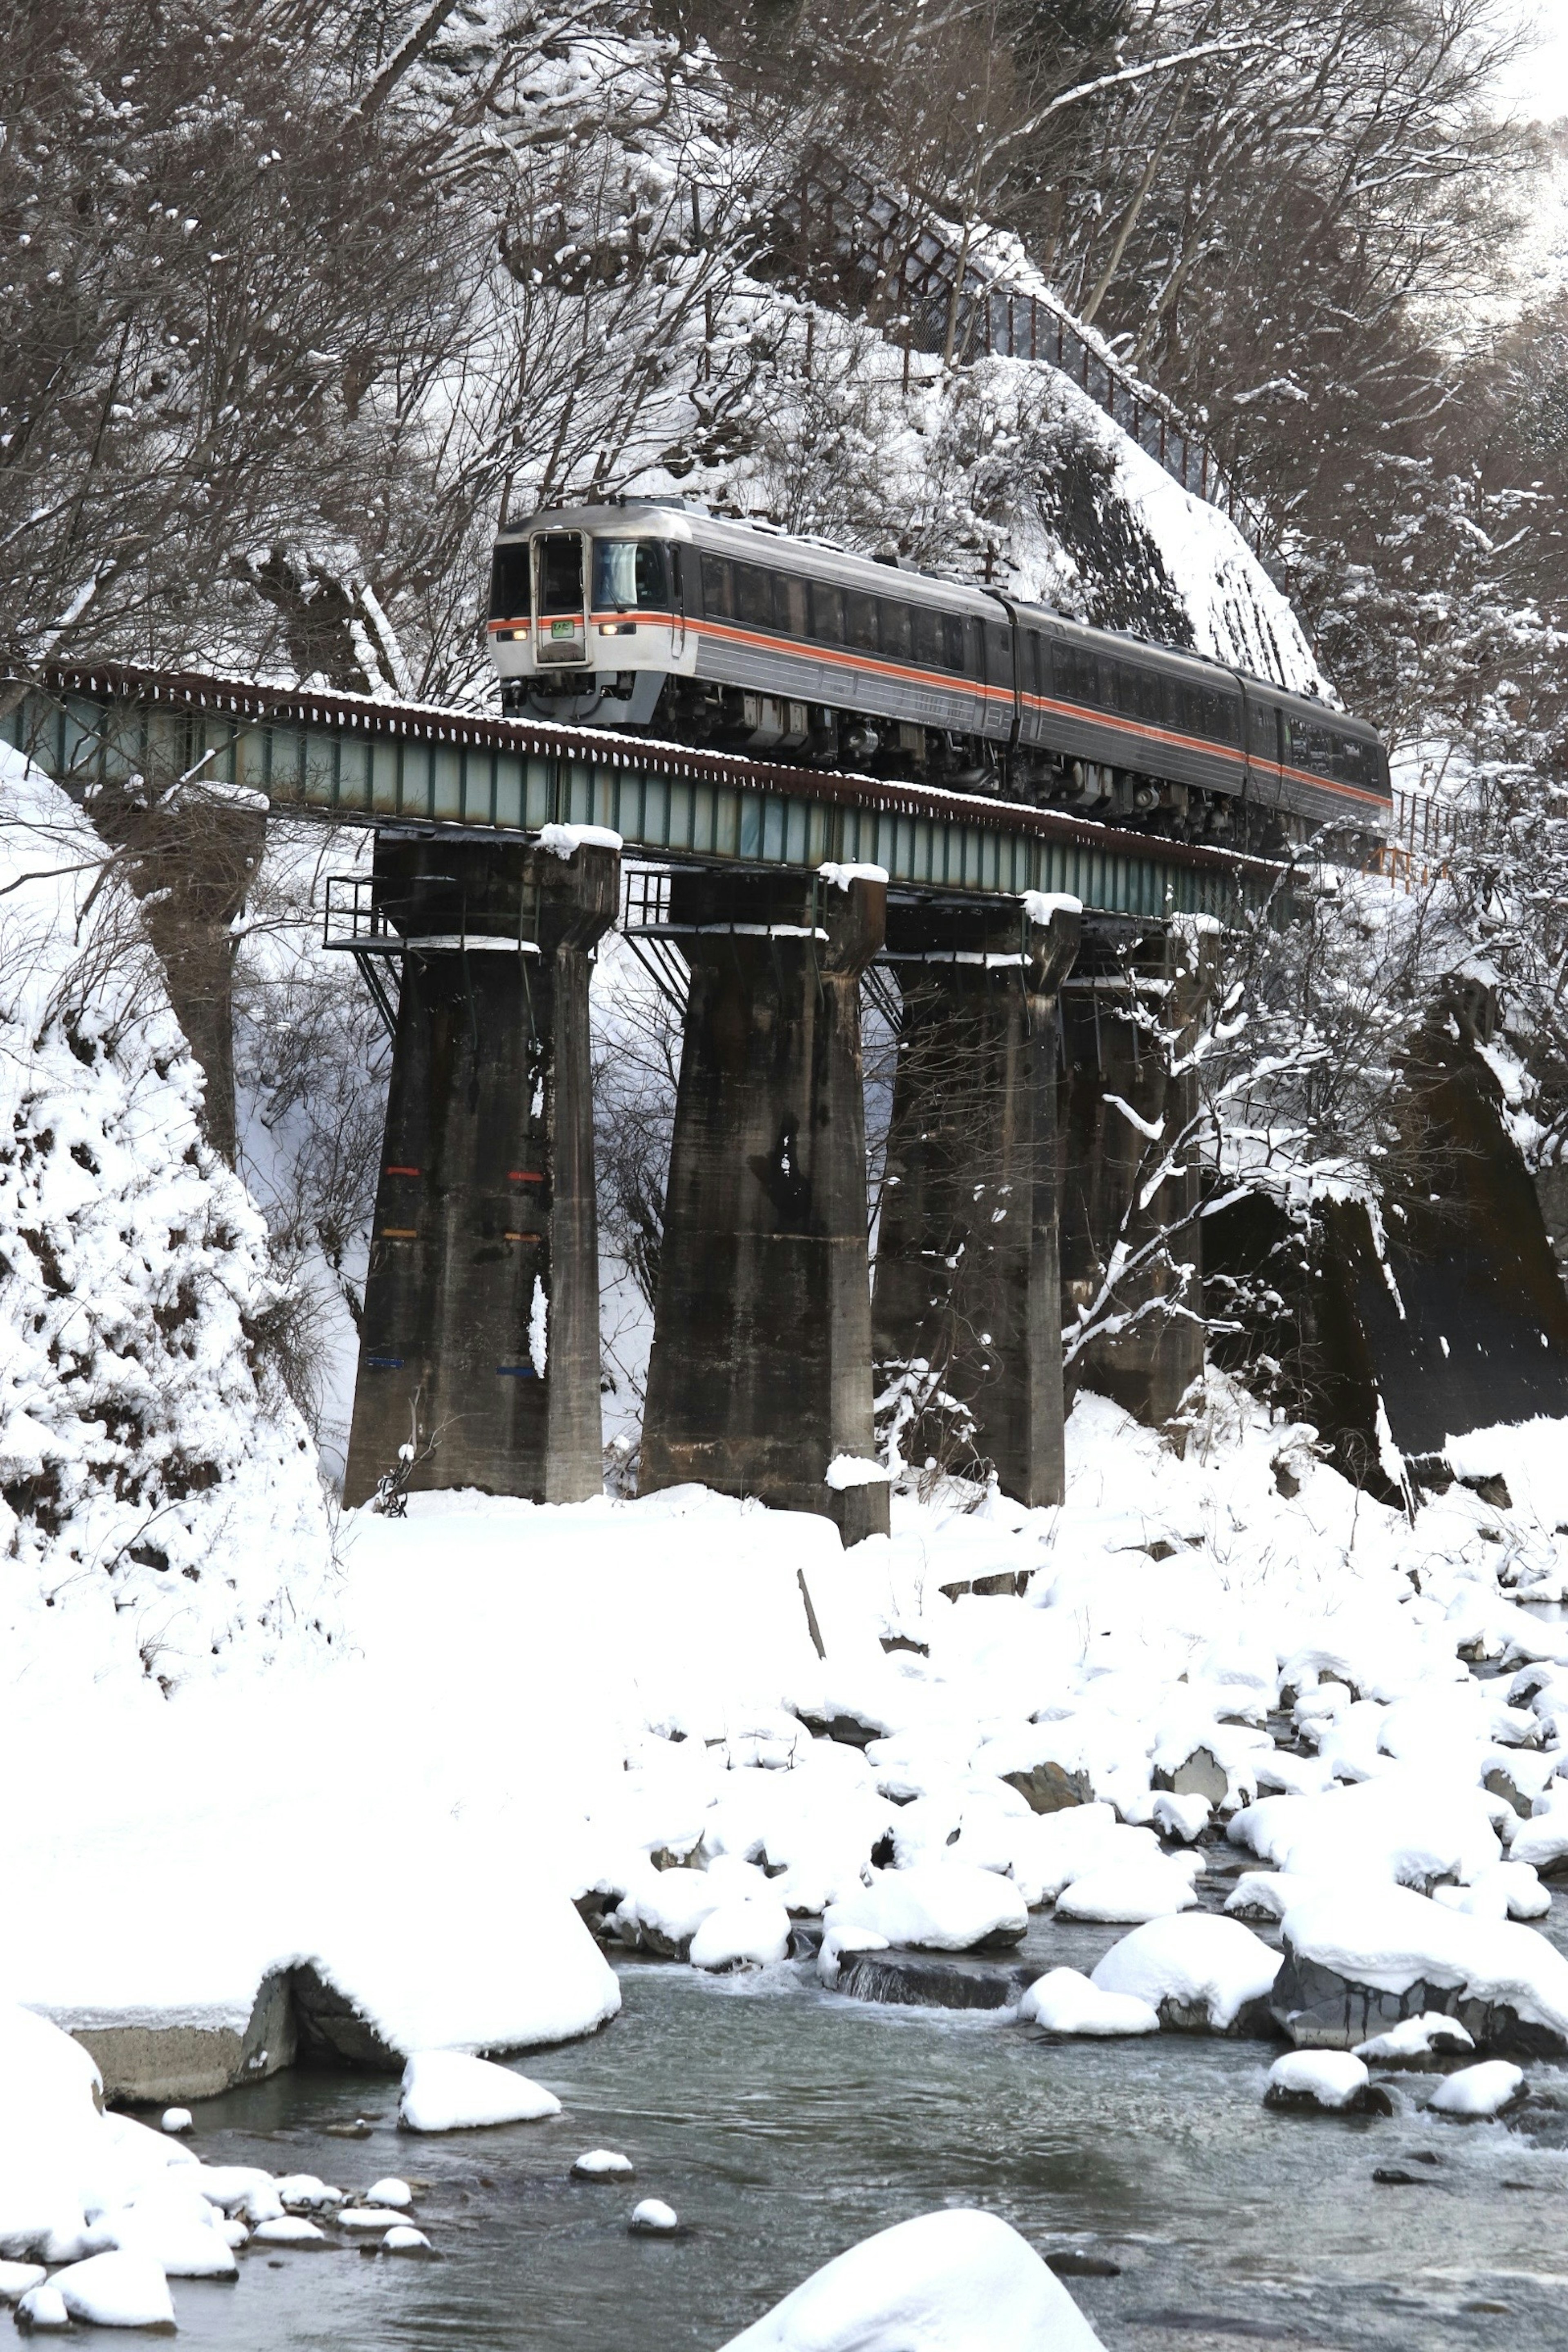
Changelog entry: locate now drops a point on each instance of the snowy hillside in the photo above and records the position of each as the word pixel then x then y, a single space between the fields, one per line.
pixel 161 1502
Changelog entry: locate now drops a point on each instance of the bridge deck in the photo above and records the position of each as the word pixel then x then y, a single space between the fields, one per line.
pixel 416 767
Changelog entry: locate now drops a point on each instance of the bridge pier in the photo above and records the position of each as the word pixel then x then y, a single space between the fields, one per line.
pixel 968 1269
pixel 480 1339
pixel 760 1375
pixel 1129 1097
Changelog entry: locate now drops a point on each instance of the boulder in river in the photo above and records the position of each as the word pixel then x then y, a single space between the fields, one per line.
pixel 1361 1960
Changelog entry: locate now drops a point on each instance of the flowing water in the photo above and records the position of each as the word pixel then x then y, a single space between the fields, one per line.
pixel 785 2124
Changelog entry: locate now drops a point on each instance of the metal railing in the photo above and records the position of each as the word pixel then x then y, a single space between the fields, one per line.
pixel 907 274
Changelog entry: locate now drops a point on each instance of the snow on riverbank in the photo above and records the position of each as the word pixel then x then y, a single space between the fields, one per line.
pixel 160 1510
pixel 543 1708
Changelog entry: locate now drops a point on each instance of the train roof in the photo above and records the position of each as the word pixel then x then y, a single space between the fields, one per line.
pixel 673 518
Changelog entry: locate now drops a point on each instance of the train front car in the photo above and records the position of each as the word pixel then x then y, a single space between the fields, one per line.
pixel 707 630
pixel 587 613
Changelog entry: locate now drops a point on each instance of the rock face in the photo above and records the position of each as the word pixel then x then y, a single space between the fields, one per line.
pixel 1319 2008
pixel 157 2063
pixel 1051 1788
pixel 922 1980
pixel 1201 1774
pixel 329 2027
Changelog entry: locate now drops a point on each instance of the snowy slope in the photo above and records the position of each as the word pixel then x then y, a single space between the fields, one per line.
pixel 160 1506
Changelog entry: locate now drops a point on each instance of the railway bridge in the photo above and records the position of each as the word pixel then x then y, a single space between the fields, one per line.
pixel 1047 972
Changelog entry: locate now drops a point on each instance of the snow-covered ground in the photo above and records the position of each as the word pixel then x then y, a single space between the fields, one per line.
pixel 533 1705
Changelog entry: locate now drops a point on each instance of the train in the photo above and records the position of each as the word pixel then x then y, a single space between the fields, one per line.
pixel 659 618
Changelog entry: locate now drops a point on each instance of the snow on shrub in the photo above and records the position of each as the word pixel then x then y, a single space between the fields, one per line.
pixel 155 1491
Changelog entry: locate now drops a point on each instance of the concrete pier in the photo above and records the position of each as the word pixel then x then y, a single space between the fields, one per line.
pixel 1131 1018
pixel 480 1343
pixel 759 1377
pixel 968 1266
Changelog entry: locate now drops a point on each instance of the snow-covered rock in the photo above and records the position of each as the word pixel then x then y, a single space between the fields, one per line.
pixel 1150 1890
pixel 603 2164
pixel 43 2308
pixel 664 1910
pixel 1417 2043
pixel 176 2119
pixel 117 2290
pixel 293 2230
pixel 303 2191
pixel 753 1932
pixel 1475 2093
pixel 443 2090
pixel 1358 1961
pixel 654 2218
pixel 175 2227
pixel 18 2279
pixel 403 2239
pixel 950 2282
pixel 1064 2001
pixel 390 2191
pixel 1202 1974
pixel 1329 2082
pixel 1184 1816
pixel 940 1906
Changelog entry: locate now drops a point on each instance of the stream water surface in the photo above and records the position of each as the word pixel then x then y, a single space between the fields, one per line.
pixel 785 2124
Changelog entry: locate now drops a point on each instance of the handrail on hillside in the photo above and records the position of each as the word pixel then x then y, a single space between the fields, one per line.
pixel 950 304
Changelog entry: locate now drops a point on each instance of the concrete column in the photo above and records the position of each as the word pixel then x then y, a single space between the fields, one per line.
pixel 480 1343
pixel 1131 1017
pixel 968 1276
pixel 761 1370
pixel 192 856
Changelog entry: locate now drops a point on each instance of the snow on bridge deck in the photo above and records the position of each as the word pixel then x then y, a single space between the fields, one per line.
pixel 411 766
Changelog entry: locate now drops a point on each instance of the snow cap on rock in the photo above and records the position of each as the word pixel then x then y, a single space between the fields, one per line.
pixel 444 2090
pixel 950 2282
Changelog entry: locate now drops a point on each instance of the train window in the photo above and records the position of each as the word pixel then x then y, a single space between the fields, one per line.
pixel 928 638
pixel 754 597
pixel 1076 678
pixel 1189 701
pixel 718 588
pixel 897 639
pixel 998 652
pixel 1151 696
pixel 1262 730
pixel 1311 747
pixel 1222 715
pixel 560 571
pixel 508 582
pixel 861 621
pixel 790 617
pixel 1125 687
pixel 629 576
pixel 1353 762
pixel 826 613
pixel 952 632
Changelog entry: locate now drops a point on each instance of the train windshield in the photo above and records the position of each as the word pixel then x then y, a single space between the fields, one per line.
pixel 630 575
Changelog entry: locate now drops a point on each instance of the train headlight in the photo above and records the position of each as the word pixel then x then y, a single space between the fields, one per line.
pixel 618 628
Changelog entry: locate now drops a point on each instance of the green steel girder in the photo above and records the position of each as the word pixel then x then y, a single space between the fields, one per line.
pixel 408 766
